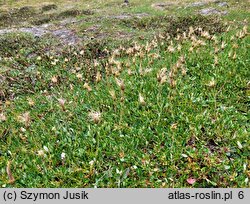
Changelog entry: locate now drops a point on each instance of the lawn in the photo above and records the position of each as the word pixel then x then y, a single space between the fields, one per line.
pixel 134 95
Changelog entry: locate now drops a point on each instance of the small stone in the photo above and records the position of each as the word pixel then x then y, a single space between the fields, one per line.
pixel 197 4
pixel 211 11
pixel 222 4
pixel 161 6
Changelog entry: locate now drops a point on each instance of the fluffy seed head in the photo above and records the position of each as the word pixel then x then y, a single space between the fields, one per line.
pixel 95 116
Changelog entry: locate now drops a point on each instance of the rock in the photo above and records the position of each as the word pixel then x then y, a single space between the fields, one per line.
pixel 69 21
pixel 66 36
pixel 128 16
pixel 36 31
pixel 162 6
pixel 201 3
pixel 222 4
pixel 210 11
pixel 198 4
pixel 122 17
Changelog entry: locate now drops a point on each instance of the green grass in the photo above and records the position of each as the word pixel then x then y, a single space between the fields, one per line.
pixel 156 118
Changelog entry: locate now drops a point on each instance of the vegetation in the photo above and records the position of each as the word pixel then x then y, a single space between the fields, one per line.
pixel 167 106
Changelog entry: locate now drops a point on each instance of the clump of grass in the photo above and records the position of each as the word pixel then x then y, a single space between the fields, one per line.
pixel 146 22
pixel 14 43
pixel 69 13
pixel 175 25
pixel 15 16
pixel 49 7
pixel 182 24
pixel 44 19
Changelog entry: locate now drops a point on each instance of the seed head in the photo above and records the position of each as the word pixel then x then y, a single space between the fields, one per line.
pixel 62 103
pixel 141 100
pixel 25 118
pixel 120 83
pixel 98 77
pixel 79 76
pixel 95 116
pixel 162 76
pixel 2 117
pixel 86 86
pixel 54 79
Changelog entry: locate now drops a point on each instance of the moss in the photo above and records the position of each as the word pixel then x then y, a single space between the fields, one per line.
pixel 181 24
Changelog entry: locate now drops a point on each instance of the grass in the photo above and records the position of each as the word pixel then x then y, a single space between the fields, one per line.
pixel 153 110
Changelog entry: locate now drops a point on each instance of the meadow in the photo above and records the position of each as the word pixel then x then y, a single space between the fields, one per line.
pixel 102 94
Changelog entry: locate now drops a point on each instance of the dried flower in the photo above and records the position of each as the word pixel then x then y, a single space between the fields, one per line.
pixel 183 71
pixel 179 47
pixel 234 56
pixel 141 100
pixel 216 50
pixel 95 116
pixel 120 83
pixel 171 49
pixel 172 83
pixel 62 103
pixel 86 86
pixel 112 93
pixel 216 60
pixel 223 45
pixel 30 102
pixel 174 126
pixel 54 79
pixel 79 76
pixel 98 77
pixel 2 117
pixel 129 72
pixel 25 118
pixel 40 153
pixel 162 76
pixel 212 83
